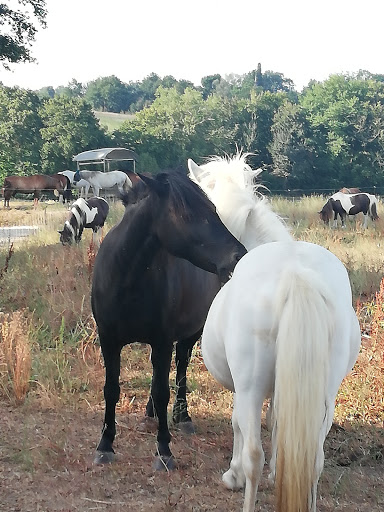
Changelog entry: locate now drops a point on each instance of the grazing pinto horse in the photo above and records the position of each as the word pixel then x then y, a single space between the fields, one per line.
pixel 89 213
pixel 283 327
pixel 99 180
pixel 349 204
pixel 82 185
pixel 32 185
pixel 148 287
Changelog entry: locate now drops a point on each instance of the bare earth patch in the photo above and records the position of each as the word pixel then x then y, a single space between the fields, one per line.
pixel 47 465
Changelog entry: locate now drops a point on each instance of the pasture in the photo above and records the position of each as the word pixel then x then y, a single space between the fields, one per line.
pixel 51 378
pixel 112 120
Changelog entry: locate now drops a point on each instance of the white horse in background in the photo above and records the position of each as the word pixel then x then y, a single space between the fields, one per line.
pixel 82 185
pixel 282 328
pixel 99 180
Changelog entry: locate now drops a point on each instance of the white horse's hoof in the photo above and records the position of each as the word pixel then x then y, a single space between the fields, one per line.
pixel 233 482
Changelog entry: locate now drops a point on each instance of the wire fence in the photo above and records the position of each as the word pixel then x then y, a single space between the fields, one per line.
pixel 300 192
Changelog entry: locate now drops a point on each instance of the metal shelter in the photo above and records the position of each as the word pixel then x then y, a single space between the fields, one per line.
pixel 105 156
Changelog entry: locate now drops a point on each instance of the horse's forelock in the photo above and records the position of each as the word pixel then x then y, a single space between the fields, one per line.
pixel 185 196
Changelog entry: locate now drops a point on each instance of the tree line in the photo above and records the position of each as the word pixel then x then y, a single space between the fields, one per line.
pixel 329 135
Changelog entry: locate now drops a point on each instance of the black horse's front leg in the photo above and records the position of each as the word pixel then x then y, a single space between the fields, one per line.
pixel 180 414
pixel 105 452
pixel 161 363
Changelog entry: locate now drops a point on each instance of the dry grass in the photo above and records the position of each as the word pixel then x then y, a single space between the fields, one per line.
pixel 15 353
pixel 50 285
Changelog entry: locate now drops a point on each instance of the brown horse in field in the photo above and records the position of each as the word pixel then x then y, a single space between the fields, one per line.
pixel 34 185
pixel 346 190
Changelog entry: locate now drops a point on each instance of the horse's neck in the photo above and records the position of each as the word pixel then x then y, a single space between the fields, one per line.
pixel 135 235
pixel 251 220
pixel 264 226
pixel 77 219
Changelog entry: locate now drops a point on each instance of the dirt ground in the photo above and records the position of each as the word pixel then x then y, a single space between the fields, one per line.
pixel 46 465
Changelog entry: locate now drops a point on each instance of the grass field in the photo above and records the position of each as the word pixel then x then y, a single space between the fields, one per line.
pixel 111 120
pixel 51 380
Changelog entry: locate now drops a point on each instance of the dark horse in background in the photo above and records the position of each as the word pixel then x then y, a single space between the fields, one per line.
pixel 85 213
pixel 349 204
pixel 35 184
pixel 147 288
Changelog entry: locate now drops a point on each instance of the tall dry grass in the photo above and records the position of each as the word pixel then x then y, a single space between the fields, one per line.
pixel 15 354
pixel 51 285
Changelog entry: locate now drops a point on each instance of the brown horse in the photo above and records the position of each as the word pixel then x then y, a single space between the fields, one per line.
pixel 32 185
pixel 346 190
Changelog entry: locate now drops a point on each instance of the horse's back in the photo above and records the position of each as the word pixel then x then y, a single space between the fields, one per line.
pixel 240 333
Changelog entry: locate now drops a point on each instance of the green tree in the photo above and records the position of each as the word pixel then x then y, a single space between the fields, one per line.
pixel 208 84
pixel 74 89
pixel 20 139
pixel 253 119
pixel 346 117
pixel 178 126
pixel 110 94
pixel 69 127
pixel 46 92
pixel 18 31
pixel 294 159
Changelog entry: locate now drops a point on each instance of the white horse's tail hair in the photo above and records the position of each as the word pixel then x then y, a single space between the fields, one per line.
pixel 304 325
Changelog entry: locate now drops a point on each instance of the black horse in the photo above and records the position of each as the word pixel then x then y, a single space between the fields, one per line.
pixel 146 288
pixel 85 213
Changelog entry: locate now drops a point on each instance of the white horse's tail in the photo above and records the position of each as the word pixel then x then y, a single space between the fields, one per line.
pixel 305 323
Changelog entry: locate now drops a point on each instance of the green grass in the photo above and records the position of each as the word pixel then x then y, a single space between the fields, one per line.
pixel 111 120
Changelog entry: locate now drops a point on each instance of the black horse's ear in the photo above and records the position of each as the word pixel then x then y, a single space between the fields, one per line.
pixel 161 188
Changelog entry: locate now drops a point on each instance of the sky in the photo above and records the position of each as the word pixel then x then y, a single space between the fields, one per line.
pixel 302 39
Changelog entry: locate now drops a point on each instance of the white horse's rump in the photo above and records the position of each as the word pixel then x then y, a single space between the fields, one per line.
pixel 283 327
pixel 99 180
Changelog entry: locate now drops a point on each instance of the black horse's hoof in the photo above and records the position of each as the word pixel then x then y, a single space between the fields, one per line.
pixel 104 458
pixel 186 427
pixel 165 463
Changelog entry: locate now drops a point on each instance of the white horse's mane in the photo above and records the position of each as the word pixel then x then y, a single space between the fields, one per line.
pixel 230 184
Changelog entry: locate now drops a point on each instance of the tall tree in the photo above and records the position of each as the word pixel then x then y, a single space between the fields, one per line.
pixel 208 83
pixel 20 139
pixel 18 31
pixel 294 159
pixel 110 94
pixel 346 116
pixel 69 127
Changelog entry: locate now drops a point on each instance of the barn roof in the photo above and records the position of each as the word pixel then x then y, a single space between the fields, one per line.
pixel 105 154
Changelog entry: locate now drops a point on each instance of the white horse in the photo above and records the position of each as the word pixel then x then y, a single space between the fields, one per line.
pixel 82 185
pixel 99 180
pixel 283 327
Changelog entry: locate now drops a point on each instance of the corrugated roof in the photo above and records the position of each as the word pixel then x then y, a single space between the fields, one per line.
pixel 102 154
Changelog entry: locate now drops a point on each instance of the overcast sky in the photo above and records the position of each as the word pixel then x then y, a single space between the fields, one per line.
pixel 303 39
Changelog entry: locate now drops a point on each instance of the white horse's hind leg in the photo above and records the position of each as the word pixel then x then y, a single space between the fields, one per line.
pixel 248 456
pixel 234 478
pixel 249 417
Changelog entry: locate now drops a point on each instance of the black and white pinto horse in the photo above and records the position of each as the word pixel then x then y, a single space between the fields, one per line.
pixel 349 204
pixel 282 328
pixel 99 180
pixel 90 213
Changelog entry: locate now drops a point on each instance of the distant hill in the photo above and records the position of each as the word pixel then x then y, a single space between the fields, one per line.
pixel 112 120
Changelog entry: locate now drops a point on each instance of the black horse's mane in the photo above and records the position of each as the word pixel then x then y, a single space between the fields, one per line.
pixel 182 193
